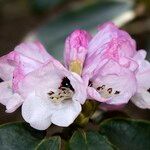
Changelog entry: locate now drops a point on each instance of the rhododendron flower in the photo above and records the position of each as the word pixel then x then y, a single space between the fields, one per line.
pixel 55 96
pixel 109 66
pixel 14 67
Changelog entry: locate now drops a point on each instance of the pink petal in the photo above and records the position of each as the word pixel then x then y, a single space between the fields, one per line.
pixel 114 40
pixel 76 46
pixel 33 50
pixel 27 57
pixel 114 76
pixel 6 69
pixel 11 100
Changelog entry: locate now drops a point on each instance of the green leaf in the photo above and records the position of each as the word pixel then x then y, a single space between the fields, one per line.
pixel 127 134
pixel 53 143
pixel 90 140
pixel 19 136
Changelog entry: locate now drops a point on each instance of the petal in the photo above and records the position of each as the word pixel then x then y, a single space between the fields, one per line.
pixel 76 46
pixel 11 100
pixel 27 57
pixel 33 50
pixel 108 36
pixel 66 114
pixel 44 79
pixel 93 94
pixel 79 87
pixel 142 99
pixel 14 102
pixel 6 70
pixel 24 65
pixel 37 111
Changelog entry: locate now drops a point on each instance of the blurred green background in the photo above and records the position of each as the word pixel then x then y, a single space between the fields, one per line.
pixel 52 20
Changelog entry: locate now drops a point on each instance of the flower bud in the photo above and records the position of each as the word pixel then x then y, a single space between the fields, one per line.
pixel 76 46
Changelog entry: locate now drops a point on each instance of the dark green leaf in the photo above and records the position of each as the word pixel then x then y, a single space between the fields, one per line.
pixel 90 140
pixel 19 136
pixel 53 143
pixel 127 134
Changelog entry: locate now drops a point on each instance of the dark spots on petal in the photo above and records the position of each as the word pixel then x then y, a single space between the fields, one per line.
pixel 50 93
pixel 101 87
pixel 109 90
pixel 98 88
pixel 117 92
pixel 66 83
pixel 148 90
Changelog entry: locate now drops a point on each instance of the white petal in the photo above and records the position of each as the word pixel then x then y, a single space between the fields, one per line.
pixel 66 114
pixel 142 99
pixel 37 111
pixel 11 100
pixel 79 87
pixel 14 102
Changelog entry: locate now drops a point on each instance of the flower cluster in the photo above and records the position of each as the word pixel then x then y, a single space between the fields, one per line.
pixel 106 68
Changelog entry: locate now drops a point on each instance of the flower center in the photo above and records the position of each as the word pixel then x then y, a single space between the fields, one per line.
pixel 64 92
pixel 105 91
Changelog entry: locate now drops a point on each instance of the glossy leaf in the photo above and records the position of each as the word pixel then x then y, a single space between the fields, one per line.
pixel 127 134
pixel 53 143
pixel 19 136
pixel 90 140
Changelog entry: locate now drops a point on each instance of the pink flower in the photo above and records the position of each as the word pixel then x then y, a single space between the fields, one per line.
pixel 55 96
pixel 47 91
pixel 142 96
pixel 76 47
pixel 109 66
pixel 14 67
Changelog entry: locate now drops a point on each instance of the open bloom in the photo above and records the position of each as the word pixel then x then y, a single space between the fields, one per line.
pixel 109 66
pixel 14 66
pixel 55 96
